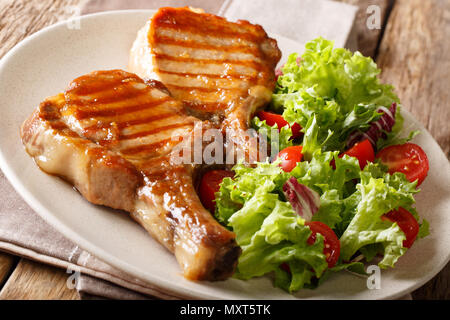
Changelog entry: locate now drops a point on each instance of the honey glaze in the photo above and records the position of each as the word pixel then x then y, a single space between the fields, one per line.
pixel 189 230
pixel 163 186
pixel 191 50
pixel 118 110
pixel 185 19
pixel 112 134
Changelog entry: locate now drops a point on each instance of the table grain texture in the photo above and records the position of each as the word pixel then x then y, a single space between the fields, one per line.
pixel 412 48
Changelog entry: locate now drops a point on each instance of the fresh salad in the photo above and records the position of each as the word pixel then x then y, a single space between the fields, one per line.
pixel 341 190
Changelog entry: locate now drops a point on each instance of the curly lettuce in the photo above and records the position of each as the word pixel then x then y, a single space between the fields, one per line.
pixel 352 203
pixel 339 89
pixel 277 138
pixel 331 93
pixel 267 229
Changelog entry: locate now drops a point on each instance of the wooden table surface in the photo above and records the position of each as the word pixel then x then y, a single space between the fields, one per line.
pixel 412 48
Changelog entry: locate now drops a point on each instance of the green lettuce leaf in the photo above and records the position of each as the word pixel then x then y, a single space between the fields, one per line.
pixel 277 140
pixel 234 193
pixel 267 229
pixel 334 89
pixel 330 92
pixel 354 267
pixel 394 138
pixel 377 197
pixel 271 234
pixel 352 202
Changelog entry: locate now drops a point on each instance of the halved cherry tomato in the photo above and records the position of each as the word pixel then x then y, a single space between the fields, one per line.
pixel 407 158
pixel 406 222
pixel 363 151
pixel 210 184
pixel 332 245
pixel 285 267
pixel 272 118
pixel 289 157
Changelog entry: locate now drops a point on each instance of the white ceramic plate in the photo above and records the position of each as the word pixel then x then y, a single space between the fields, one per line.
pixel 44 64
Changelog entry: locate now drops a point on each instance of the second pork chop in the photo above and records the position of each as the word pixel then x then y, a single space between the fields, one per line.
pixel 221 70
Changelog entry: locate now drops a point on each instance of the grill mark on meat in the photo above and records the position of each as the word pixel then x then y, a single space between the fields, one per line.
pixel 135 134
pixel 209 39
pixel 107 97
pixel 244 48
pixel 58 125
pixel 196 67
pixel 255 65
pixel 154 131
pixel 121 122
pixel 132 100
pixel 204 82
pixel 123 160
pixel 130 95
pixel 222 98
pixel 206 61
pixel 146 147
pixel 179 50
pixel 129 123
pixel 202 89
pixel 229 76
pixel 84 114
pixel 83 86
pixel 189 20
pixel 206 32
pixel 205 106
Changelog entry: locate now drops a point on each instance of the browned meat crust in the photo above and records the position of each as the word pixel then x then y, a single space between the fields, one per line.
pixel 222 71
pixel 111 135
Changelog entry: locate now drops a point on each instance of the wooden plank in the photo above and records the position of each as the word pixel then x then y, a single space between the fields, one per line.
pixel 21 18
pixel 18 20
pixel 368 39
pixel 414 56
pixel 7 263
pixel 35 281
pixel 437 288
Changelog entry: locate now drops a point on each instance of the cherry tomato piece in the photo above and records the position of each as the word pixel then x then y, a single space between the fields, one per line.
pixel 407 158
pixel 273 118
pixel 332 245
pixel 289 157
pixel 406 222
pixel 285 267
pixel 210 184
pixel 363 151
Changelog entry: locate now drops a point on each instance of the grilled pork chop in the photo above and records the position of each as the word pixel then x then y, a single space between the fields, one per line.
pixel 112 136
pixel 222 71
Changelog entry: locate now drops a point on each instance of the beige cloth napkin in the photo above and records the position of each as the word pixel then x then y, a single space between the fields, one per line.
pixel 24 233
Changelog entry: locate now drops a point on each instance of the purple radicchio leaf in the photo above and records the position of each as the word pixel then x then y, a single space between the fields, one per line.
pixel 377 128
pixel 304 201
pixel 279 71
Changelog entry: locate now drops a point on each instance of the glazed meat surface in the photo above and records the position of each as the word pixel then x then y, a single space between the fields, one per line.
pixel 113 136
pixel 221 70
